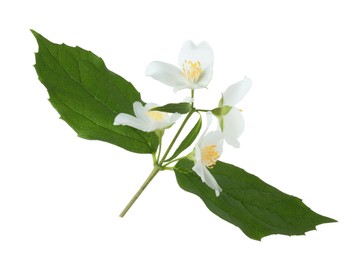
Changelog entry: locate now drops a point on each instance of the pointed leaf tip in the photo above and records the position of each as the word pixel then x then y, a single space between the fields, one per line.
pixel 254 206
pixel 88 96
pixel 35 34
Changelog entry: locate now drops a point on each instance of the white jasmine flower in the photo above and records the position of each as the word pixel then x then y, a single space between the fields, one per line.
pixel 206 153
pixel 145 119
pixel 195 68
pixel 232 122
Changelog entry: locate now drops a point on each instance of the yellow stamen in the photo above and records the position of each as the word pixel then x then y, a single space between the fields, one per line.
pixel 191 70
pixel 209 155
pixel 156 115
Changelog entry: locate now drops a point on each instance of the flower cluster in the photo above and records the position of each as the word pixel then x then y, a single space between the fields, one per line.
pixel 194 72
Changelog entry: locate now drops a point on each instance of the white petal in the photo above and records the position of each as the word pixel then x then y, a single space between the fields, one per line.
pixel 167 74
pixel 144 113
pixel 198 168
pixel 211 181
pixel 206 76
pixel 167 122
pixel 233 127
pixel 197 154
pixel 129 120
pixel 140 113
pixel 149 106
pixel 139 110
pixel 213 138
pixel 236 92
pixel 202 53
pixel 174 117
pixel 207 177
pixel 209 121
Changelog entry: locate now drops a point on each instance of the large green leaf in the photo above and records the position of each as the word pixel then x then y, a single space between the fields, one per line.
pixel 257 208
pixel 88 96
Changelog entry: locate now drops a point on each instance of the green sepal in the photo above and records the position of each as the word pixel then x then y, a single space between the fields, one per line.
pixel 181 108
pixel 220 102
pixel 88 96
pixel 221 122
pixel 221 111
pixel 188 140
pixel 254 206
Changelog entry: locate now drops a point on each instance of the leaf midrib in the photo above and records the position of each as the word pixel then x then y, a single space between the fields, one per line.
pixel 243 203
pixel 81 85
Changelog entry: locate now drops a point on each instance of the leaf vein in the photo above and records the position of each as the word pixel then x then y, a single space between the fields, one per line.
pixel 143 137
pixel 97 123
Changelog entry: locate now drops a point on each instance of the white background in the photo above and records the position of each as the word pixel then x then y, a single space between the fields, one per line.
pixel 60 196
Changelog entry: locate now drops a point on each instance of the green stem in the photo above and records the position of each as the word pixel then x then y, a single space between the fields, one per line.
pixel 174 160
pixel 203 110
pixel 157 165
pixel 175 137
pixel 192 98
pixel 154 158
pixel 153 173
pixel 160 134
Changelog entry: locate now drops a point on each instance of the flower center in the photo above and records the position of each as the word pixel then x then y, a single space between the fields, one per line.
pixel 156 115
pixel 191 70
pixel 209 155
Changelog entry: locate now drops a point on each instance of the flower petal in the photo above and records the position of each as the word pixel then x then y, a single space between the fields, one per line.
pixel 236 92
pixel 174 117
pixel 213 138
pixel 209 121
pixel 140 113
pixel 198 168
pixel 206 76
pixel 211 181
pixel 233 127
pixel 207 177
pixel 197 154
pixel 209 118
pixel 167 74
pixel 167 122
pixel 129 120
pixel 202 53
pixel 139 110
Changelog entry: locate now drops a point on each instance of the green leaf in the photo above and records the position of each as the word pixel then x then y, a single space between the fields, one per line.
pixel 257 208
pixel 181 108
pixel 88 96
pixel 188 140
